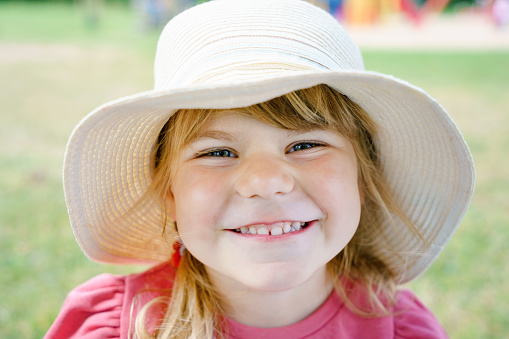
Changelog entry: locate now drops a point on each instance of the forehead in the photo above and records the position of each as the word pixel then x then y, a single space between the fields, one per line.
pixel 230 124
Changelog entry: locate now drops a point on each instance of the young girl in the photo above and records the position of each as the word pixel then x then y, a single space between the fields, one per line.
pixel 285 191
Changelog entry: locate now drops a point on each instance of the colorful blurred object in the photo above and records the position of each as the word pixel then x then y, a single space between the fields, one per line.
pixel 350 12
pixel 500 12
pixel 368 11
pixel 362 12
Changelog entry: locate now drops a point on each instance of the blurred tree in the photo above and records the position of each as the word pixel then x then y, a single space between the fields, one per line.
pixel 92 9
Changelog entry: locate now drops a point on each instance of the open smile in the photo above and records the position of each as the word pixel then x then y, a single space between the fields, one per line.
pixel 277 228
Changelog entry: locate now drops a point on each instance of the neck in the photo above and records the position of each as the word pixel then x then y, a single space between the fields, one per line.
pixel 274 309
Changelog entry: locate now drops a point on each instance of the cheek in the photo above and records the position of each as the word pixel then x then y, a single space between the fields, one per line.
pixel 198 205
pixel 198 198
pixel 338 180
pixel 340 199
pixel 344 200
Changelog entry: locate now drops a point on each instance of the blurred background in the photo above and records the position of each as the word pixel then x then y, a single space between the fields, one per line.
pixel 61 59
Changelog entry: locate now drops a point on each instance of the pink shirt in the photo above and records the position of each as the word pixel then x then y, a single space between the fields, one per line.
pixel 101 307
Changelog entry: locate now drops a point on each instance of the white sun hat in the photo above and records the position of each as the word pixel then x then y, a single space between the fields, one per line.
pixel 235 53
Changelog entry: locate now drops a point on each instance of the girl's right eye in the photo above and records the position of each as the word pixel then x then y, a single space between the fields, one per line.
pixel 219 153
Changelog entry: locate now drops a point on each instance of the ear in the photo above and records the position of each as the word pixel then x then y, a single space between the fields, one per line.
pixel 170 205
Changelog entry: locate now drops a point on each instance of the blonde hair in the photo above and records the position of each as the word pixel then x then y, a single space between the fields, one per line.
pixel 194 307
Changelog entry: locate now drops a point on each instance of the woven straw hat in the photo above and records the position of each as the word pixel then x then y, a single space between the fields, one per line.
pixel 235 53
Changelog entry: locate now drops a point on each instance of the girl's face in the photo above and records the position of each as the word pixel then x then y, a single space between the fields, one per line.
pixel 242 175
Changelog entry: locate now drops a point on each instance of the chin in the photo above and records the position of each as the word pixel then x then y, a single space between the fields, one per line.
pixel 276 278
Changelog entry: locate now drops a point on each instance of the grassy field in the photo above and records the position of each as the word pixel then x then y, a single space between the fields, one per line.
pixel 53 71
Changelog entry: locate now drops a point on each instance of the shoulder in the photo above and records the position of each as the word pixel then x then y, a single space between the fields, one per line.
pixel 408 319
pixel 100 307
pixel 91 310
pixel 413 320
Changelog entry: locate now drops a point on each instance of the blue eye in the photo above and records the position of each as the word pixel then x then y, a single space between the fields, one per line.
pixel 301 146
pixel 219 153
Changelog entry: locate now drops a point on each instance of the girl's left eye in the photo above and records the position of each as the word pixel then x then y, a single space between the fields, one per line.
pixel 301 146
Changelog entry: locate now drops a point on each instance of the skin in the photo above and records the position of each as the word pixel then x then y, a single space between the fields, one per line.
pixel 242 172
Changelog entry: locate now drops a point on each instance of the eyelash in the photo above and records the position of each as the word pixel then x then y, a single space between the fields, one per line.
pixel 226 153
pixel 219 153
pixel 307 144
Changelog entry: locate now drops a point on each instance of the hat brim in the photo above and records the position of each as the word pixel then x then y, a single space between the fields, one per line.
pixel 424 159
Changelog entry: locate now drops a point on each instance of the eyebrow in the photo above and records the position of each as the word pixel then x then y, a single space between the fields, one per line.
pixel 294 133
pixel 220 135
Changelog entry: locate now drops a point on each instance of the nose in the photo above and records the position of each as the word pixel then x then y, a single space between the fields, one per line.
pixel 264 177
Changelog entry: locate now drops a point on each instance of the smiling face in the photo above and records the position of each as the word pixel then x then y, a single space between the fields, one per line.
pixel 241 176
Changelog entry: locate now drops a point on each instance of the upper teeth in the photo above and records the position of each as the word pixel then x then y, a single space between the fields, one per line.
pixel 275 229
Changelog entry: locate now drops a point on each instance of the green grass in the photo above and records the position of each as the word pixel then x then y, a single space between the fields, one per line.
pixel 118 25
pixel 53 71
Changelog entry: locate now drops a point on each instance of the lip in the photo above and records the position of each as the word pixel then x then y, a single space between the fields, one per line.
pixel 269 238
